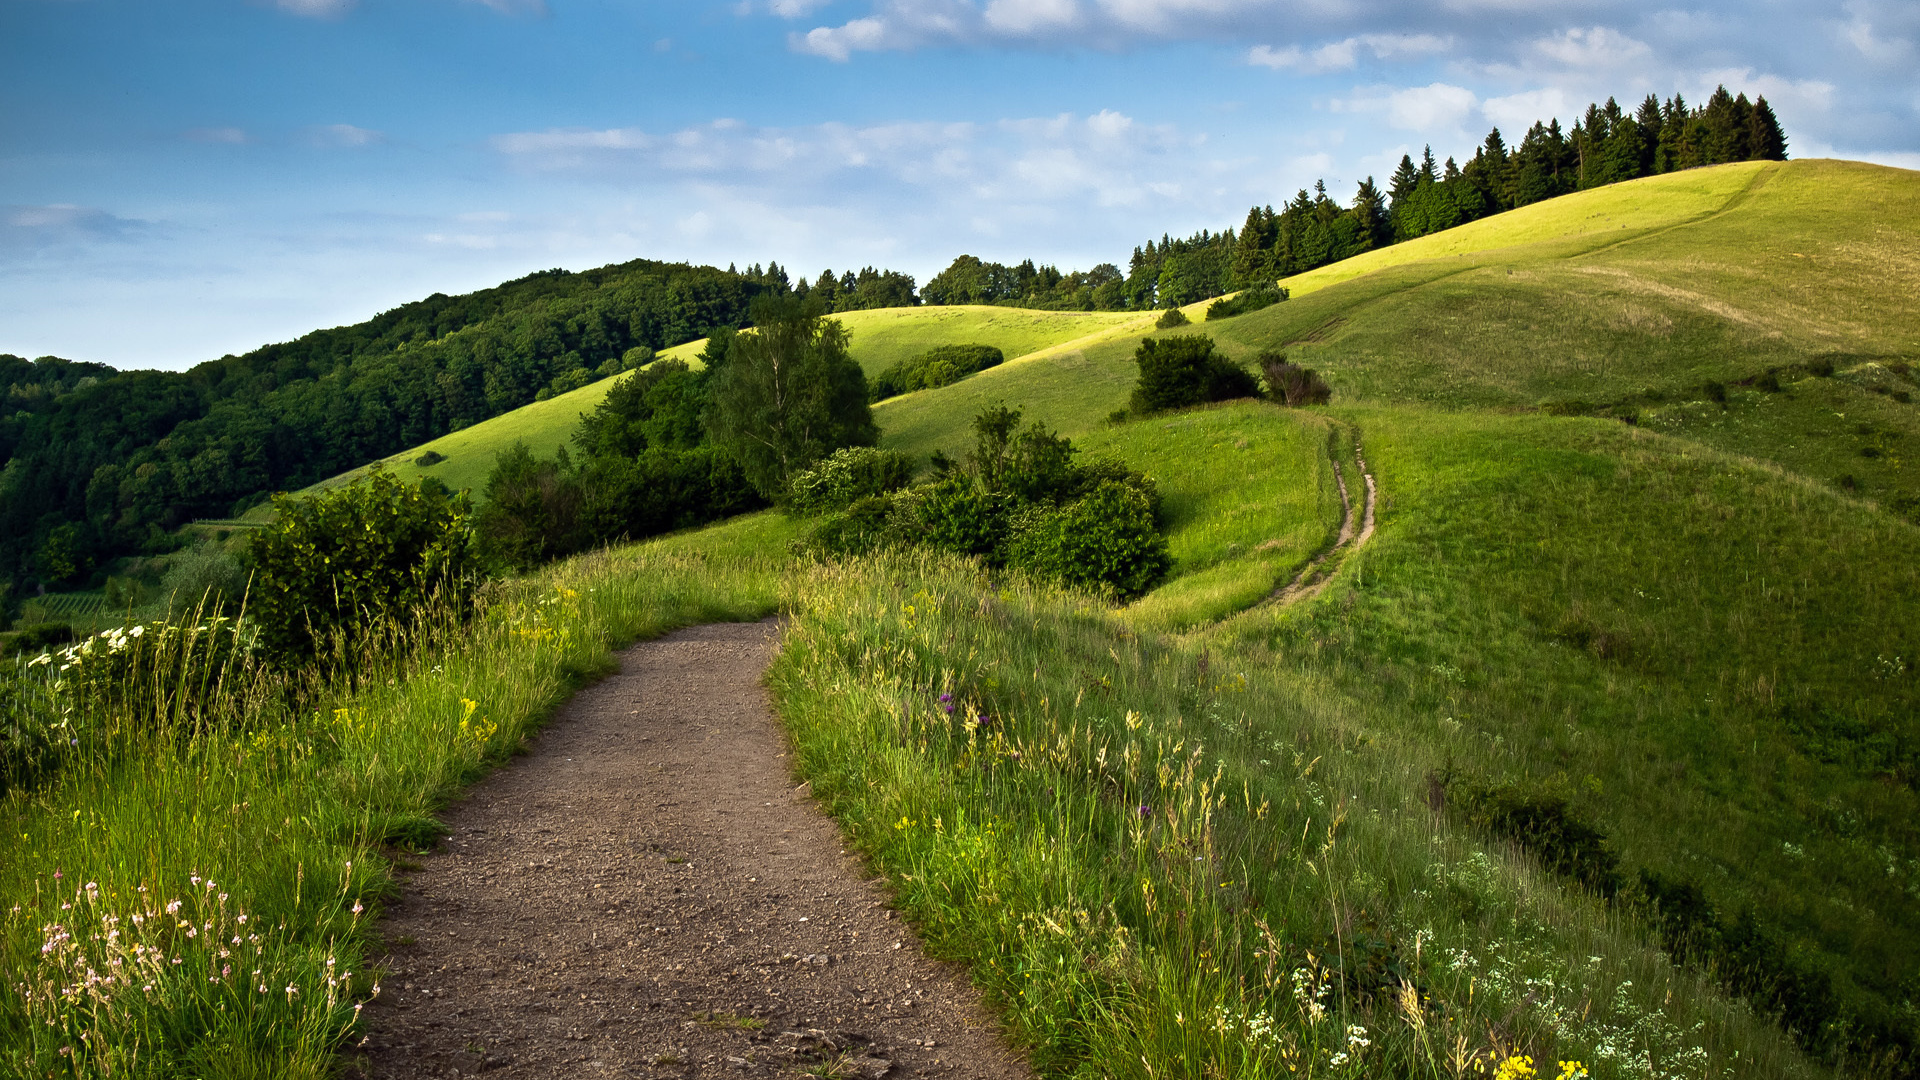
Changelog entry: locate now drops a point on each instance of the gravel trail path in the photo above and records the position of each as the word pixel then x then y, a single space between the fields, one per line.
pixel 647 894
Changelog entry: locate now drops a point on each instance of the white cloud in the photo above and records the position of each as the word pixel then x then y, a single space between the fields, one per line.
pixel 515 7
pixel 316 9
pixel 343 135
pixel 231 135
pixel 840 43
pixel 794 9
pixel 1345 54
pixel 37 227
pixel 1515 113
pixel 1028 16
pixel 1879 31
pixel 1432 110
pixel 1593 47
pixel 1107 158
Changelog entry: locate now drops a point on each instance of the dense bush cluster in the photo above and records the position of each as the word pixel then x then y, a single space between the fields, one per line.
pixel 1019 500
pixel 848 476
pixel 1290 384
pixel 1184 371
pixel 340 565
pixel 671 447
pixel 937 367
pixel 1252 298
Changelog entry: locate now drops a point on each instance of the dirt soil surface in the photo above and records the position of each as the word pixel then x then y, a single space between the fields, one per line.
pixel 648 894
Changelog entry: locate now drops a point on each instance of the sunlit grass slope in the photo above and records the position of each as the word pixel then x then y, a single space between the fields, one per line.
pixel 1248 496
pixel 876 338
pixel 1808 259
pixel 544 426
pixel 1715 659
pixel 883 337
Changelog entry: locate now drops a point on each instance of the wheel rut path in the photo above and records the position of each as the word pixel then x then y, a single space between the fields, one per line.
pixel 647 893
pixel 1311 580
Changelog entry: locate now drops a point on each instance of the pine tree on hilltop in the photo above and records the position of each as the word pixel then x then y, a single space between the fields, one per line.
pixel 1766 141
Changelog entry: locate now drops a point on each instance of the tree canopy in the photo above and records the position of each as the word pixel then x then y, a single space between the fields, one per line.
pixel 788 394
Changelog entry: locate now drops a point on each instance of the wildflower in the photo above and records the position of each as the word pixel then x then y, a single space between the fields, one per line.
pixel 137 631
pixel 357 909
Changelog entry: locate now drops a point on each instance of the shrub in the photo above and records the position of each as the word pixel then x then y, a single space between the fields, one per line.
pixel 856 530
pixel 1106 542
pixel 531 514
pixel 961 517
pixel 1249 299
pixel 430 459
pixel 537 511
pixel 38 638
pixel 334 566
pixel 937 367
pixel 1171 318
pixel 849 475
pixel 1180 372
pixel 205 576
pixel 568 381
pixel 1292 385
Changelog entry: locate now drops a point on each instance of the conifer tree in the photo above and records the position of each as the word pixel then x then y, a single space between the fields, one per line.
pixel 1766 141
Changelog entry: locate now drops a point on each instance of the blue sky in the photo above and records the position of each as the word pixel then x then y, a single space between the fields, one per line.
pixel 185 178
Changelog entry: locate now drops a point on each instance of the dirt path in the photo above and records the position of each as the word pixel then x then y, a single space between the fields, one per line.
pixel 647 894
pixel 1311 580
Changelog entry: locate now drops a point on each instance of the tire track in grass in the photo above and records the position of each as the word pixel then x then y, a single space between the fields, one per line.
pixel 1314 577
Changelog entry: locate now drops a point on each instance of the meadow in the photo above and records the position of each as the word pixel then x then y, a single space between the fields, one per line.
pixel 1642 556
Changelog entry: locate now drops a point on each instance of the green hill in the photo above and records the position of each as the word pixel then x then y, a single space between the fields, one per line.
pixel 877 338
pixel 1644 546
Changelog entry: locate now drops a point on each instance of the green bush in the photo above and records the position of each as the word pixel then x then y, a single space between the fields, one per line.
pixel 1290 384
pixel 1106 542
pixel 962 517
pixel 205 576
pixel 858 529
pixel 847 476
pixel 572 380
pixel 332 567
pixel 1171 318
pixel 1180 372
pixel 937 367
pixel 429 459
pixel 1249 299
pixel 537 511
pixel 38 638
pixel 1021 500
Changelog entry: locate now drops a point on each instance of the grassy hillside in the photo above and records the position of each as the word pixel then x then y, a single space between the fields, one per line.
pixel 1695 630
pixel 877 339
pixel 885 336
pixel 544 426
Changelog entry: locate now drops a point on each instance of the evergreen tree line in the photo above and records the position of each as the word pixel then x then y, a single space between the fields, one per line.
pixel 1607 145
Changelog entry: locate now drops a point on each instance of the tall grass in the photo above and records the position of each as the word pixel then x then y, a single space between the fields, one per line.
pixel 1169 861
pixel 196 895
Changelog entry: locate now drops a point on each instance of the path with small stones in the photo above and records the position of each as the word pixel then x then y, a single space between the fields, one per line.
pixel 648 894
